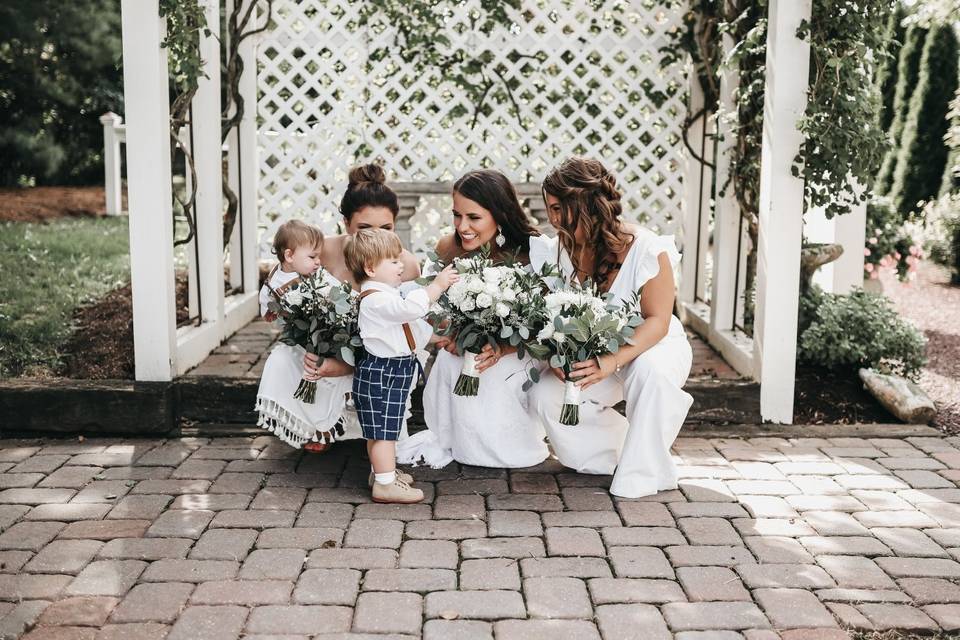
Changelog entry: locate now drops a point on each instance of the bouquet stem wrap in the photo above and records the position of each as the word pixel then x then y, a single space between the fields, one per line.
pixel 468 384
pixel 306 391
pixel 570 413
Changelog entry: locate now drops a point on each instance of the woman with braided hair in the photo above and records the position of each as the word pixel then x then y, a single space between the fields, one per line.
pixel 593 243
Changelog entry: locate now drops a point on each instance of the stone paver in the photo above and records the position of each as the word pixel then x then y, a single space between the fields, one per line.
pixel 231 537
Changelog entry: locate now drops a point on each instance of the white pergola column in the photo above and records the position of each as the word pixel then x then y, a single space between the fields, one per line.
pixel 196 342
pixel 781 209
pixel 242 307
pixel 697 181
pixel 149 195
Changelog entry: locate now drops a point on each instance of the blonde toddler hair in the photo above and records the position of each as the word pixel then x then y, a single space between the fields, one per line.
pixel 293 234
pixel 368 248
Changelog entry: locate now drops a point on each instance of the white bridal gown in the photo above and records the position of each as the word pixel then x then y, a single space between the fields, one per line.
pixel 291 420
pixel 635 448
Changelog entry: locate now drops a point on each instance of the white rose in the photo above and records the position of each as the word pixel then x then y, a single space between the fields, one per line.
pixel 509 295
pixel 293 297
pixel 484 300
pixel 502 310
pixel 546 333
pixel 492 274
pixel 467 305
pixel 558 337
pixel 474 285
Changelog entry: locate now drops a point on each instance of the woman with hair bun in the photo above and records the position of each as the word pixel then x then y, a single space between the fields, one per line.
pixel 594 243
pixel 491 429
pixel 368 203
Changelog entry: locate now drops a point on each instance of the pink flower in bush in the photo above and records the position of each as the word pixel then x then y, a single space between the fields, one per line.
pixel 866 252
pixel 868 267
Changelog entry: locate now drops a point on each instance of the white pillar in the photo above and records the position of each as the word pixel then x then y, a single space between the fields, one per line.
pixel 248 168
pixel 726 226
pixel 207 154
pixel 781 209
pixel 111 163
pixel 851 232
pixel 697 181
pixel 149 195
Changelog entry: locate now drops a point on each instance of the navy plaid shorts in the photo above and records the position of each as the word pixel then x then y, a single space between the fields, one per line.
pixel 380 390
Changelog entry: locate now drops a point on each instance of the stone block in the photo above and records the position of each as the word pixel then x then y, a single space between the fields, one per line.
pixel 897 616
pixel 299 538
pixel 416 580
pixel 489 574
pixel 145 548
pixel 446 529
pixel 792 608
pixel 694 616
pixel 798 576
pixel 352 559
pixel 856 572
pixel 106 578
pixel 712 584
pixel 565 567
pixel 83 611
pixel 327 586
pixel 224 544
pixel 243 592
pixel 475 605
pixel 319 514
pixel 273 564
pixel 189 571
pixel 557 598
pixel 574 541
pixel 627 621
pixel 383 534
pixel 640 562
pixel 388 613
pixel 502 548
pixel 210 623
pixel 514 523
pixel 426 554
pixel 156 602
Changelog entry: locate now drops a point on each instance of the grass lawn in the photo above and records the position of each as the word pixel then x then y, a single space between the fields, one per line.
pixel 48 271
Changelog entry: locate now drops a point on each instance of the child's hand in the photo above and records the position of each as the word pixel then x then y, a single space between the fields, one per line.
pixel 446 277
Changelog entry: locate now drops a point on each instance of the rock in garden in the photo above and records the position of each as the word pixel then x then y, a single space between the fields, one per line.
pixel 901 397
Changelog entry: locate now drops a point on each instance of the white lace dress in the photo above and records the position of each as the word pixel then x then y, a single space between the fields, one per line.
pixel 491 429
pixel 635 448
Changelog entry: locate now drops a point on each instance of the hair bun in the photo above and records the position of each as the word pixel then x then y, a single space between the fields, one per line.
pixel 366 173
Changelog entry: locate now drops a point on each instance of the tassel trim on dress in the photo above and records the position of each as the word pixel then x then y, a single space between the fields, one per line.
pixel 289 427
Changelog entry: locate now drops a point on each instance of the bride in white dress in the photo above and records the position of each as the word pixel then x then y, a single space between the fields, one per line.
pixel 491 429
pixel 583 204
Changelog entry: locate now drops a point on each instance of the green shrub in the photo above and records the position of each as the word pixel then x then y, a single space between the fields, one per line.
pixel 923 151
pixel 943 233
pixel 908 68
pixel 862 330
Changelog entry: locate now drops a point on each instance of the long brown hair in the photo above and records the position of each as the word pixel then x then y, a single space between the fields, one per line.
pixel 494 192
pixel 589 200
pixel 367 188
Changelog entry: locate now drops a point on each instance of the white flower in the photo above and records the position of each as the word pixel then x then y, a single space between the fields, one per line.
pixel 484 300
pixel 492 274
pixel 509 295
pixel 546 333
pixel 467 304
pixel 293 297
pixel 558 337
pixel 502 310
pixel 474 284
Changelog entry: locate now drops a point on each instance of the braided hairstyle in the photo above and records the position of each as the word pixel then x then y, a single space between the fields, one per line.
pixel 367 188
pixel 589 201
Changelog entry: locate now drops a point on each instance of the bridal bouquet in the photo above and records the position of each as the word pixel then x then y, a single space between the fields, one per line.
pixel 490 304
pixel 580 325
pixel 320 316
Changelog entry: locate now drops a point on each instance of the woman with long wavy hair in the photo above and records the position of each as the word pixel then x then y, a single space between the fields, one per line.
pixel 491 429
pixel 594 243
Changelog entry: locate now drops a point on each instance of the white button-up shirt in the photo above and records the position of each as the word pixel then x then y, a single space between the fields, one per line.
pixel 382 316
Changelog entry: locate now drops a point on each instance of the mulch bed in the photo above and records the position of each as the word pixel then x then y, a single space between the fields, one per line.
pixel 40 204
pixel 830 397
pixel 101 346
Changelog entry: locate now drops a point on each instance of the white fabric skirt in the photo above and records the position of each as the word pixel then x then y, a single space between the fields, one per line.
pixel 291 420
pixel 635 448
pixel 491 429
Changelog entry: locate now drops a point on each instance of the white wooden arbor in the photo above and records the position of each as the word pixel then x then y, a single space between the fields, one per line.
pixel 643 147
pixel 161 350
pixel 711 289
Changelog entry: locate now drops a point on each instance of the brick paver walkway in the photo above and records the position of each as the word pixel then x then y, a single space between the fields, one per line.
pixel 197 538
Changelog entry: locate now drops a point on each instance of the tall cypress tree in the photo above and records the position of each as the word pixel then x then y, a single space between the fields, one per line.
pixel 923 150
pixel 951 173
pixel 907 71
pixel 887 71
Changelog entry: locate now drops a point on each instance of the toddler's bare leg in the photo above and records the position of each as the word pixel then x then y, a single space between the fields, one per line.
pixel 383 455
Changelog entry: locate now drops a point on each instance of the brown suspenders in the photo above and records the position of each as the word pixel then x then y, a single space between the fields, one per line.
pixel 407 332
pixel 282 289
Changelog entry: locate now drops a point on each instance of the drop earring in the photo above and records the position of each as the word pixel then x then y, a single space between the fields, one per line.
pixel 500 239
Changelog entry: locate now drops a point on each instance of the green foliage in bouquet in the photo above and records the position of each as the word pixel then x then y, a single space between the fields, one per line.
pixel 579 325
pixel 861 329
pixel 321 317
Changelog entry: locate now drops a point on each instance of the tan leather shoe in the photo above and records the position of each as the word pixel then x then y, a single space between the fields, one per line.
pixel 398 492
pixel 401 476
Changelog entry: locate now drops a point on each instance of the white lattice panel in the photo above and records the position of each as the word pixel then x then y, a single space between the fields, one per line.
pixel 593 87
